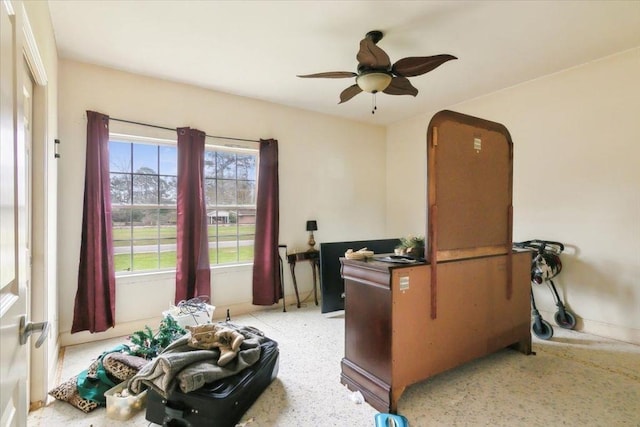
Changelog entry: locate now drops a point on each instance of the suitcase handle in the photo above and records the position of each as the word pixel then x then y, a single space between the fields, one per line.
pixel 174 418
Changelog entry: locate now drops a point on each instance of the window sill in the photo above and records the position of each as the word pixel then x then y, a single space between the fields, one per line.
pixel 145 276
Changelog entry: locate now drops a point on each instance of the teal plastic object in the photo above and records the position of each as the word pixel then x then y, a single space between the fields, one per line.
pixel 391 420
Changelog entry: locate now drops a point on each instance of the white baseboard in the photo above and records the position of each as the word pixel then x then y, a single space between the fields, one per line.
pixel 601 329
pixel 127 328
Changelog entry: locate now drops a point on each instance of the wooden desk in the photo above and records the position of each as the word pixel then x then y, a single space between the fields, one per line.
pixel 313 257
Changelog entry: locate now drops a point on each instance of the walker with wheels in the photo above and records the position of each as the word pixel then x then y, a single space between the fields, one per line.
pixel 546 265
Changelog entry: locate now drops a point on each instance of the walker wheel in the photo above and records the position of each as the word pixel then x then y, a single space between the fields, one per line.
pixel 569 319
pixel 543 330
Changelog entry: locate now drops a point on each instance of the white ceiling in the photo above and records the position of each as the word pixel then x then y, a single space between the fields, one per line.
pixel 256 48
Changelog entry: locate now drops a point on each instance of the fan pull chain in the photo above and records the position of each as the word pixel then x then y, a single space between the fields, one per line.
pixel 374 107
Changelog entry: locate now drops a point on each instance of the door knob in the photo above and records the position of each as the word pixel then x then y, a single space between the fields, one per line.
pixel 28 328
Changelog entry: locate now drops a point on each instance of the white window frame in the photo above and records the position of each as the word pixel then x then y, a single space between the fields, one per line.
pixel 210 145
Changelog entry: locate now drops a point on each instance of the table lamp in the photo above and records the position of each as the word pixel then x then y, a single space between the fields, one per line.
pixel 311 227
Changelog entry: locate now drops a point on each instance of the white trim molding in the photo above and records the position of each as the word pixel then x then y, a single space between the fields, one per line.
pixel 8 5
pixel 31 52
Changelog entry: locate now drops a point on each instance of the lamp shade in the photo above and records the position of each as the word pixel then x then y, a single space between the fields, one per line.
pixel 374 82
pixel 312 225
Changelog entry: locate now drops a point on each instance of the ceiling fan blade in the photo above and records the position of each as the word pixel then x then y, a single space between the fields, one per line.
pixel 371 56
pixel 400 86
pixel 417 65
pixel 349 93
pixel 332 75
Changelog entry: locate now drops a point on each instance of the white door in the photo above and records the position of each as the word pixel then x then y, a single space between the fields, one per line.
pixel 13 226
pixel 24 172
pixel 25 220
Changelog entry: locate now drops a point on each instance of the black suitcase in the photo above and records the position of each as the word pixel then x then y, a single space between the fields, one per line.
pixel 220 403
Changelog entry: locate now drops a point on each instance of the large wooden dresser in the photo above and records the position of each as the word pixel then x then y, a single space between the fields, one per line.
pixel 406 323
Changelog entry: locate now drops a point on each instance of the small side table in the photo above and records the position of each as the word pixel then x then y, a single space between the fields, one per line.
pixel 314 258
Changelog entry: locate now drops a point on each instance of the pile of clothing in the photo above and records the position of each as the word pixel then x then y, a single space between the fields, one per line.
pixel 204 354
pixel 85 391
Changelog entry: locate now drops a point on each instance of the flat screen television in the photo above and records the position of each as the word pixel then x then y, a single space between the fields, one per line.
pixel 331 282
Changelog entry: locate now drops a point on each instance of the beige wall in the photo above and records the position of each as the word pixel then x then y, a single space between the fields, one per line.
pixel 331 170
pixel 576 180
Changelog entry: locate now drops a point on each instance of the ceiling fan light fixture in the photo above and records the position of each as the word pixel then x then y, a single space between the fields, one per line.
pixel 373 82
pixel 376 73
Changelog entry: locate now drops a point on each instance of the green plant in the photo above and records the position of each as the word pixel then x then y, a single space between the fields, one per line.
pixel 411 242
pixel 148 345
pixel 412 246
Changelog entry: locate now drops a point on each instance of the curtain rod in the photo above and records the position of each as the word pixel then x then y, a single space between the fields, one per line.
pixel 173 129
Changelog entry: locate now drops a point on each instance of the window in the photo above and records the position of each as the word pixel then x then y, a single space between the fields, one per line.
pixel 143 201
pixel 230 192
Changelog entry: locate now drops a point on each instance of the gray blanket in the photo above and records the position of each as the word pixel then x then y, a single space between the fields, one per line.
pixel 191 368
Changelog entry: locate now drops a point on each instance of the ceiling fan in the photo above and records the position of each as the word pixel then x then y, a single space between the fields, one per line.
pixel 377 74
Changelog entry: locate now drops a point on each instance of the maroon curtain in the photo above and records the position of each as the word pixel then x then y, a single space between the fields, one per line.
pixel 266 271
pixel 193 274
pixel 96 295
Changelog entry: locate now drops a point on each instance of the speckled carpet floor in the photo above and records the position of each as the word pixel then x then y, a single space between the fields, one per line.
pixel 575 379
